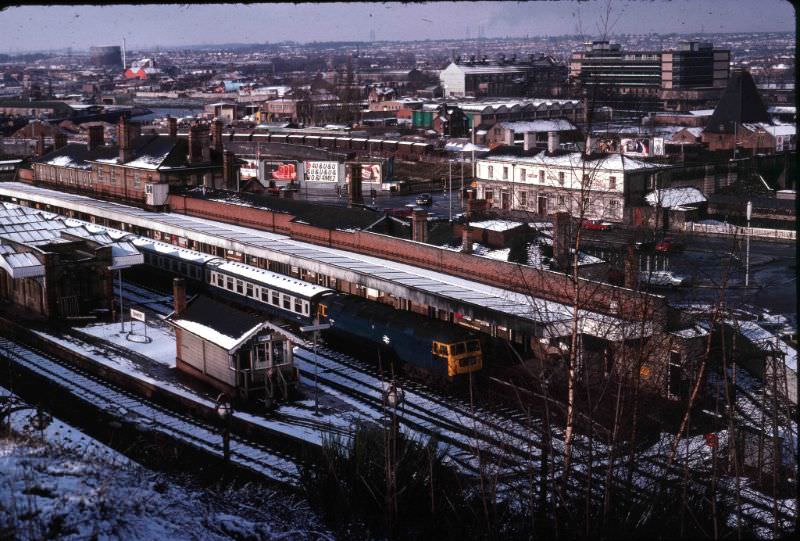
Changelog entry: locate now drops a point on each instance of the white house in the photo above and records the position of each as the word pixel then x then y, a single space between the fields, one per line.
pixel 545 183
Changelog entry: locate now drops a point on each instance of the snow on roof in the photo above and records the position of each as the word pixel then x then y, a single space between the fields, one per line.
pixel 702 112
pixel 157 247
pixel 765 340
pixel 22 265
pixel 697 132
pixel 272 279
pixel 496 225
pixel 149 161
pixel 779 129
pixel 228 343
pixel 559 124
pixel 67 161
pixel 675 197
pixel 464 147
pixel 609 162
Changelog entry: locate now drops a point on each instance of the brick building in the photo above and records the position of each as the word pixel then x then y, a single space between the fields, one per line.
pixel 138 168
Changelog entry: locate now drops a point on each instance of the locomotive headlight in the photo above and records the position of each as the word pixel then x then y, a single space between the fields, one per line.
pixel 386 340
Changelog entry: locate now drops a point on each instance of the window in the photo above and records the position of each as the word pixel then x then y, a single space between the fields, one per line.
pixel 523 199
pixel 239 287
pixel 287 302
pixel 612 183
pixel 491 171
pixel 264 295
pixel 113 171
pixel 274 298
pixel 614 204
pixel 561 178
pixel 561 201
pixel 522 175
pixel 229 284
pixel 585 179
pixel 541 176
pixel 137 179
pixel 298 306
pixel 249 290
pixel 505 173
pixel 489 195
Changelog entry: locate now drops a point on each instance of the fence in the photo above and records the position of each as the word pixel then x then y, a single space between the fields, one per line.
pixel 730 229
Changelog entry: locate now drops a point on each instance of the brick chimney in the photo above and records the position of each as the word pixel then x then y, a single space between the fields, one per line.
pixel 124 140
pixel 419 225
pixel 354 187
pixel 230 171
pixel 96 137
pixel 172 126
pixel 561 239
pixel 59 140
pixel 199 144
pixel 631 269
pixel 40 145
pixel 216 135
pixel 466 239
pixel 179 295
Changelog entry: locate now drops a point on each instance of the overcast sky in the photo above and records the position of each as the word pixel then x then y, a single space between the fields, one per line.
pixel 55 27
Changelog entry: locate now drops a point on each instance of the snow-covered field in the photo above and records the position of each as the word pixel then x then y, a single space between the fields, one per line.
pixel 70 486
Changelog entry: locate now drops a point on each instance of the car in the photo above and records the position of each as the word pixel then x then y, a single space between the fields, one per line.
pixel 667 244
pixel 424 199
pixel 596 225
pixel 661 279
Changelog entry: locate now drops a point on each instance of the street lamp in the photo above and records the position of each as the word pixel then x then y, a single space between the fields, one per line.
pixel 315 329
pixel 225 412
pixel 450 188
pixel 747 251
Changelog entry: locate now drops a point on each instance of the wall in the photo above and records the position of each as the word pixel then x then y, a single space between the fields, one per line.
pixel 543 284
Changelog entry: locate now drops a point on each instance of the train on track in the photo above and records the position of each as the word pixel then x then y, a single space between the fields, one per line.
pixel 425 348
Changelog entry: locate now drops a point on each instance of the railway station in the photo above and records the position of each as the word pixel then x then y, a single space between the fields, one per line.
pixel 499 312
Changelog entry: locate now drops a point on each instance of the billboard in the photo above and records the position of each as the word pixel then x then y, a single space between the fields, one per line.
pixel 282 171
pixel 322 171
pixel 371 173
pixel 636 147
pixel 658 146
pixel 249 169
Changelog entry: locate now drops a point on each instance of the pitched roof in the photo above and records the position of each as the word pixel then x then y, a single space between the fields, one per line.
pixel 219 323
pixel 740 103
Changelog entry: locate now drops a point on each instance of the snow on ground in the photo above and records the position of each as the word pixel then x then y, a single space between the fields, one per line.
pixel 161 349
pixel 70 486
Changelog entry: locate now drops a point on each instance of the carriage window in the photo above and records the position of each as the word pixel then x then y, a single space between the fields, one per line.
pixel 306 307
pixel 249 290
pixel 297 305
pixel 287 302
pixel 274 298
pixel 239 287
pixel 265 295
pixel 230 284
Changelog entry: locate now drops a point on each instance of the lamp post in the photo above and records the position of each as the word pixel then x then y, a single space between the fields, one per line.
pixel 461 195
pixel 225 412
pixel 747 251
pixel 450 188
pixel 315 328
pixel 121 309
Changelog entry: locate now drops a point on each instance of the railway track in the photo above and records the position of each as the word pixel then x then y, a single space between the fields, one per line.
pixel 129 407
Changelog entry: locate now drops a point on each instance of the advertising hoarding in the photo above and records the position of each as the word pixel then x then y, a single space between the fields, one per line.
pixel 283 171
pixel 249 169
pixel 322 171
pixel 636 147
pixel 371 173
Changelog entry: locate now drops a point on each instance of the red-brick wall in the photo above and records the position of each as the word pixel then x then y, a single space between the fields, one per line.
pixel 528 280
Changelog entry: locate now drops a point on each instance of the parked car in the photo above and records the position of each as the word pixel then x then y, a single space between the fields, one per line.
pixel 661 279
pixel 596 225
pixel 424 199
pixel 668 244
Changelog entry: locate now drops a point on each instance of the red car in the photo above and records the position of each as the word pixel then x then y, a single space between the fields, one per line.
pixel 667 244
pixel 595 225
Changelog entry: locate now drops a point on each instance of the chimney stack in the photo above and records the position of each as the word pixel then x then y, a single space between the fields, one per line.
pixel 553 141
pixel 631 269
pixel 40 145
pixel 419 225
pixel 179 295
pixel 59 140
pixel 96 137
pixel 172 126
pixel 199 144
pixel 124 140
pixel 216 135
pixel 229 170
pixel 561 239
pixel 354 189
pixel 466 239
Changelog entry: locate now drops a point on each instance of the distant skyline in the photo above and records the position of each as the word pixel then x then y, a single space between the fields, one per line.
pixel 41 28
